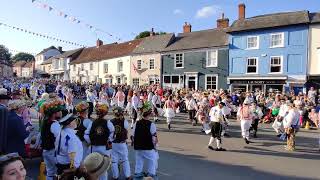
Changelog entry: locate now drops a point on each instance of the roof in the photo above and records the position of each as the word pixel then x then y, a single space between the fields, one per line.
pixel 28 64
pixel 199 39
pixel 19 64
pixel 107 51
pixel 47 49
pixel 315 17
pixel 70 53
pixel 270 20
pixel 155 43
pixel 48 61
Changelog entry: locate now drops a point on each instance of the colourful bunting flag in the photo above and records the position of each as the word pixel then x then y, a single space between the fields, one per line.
pixel 50 8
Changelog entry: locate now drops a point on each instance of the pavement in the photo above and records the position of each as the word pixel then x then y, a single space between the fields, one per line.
pixel 184 155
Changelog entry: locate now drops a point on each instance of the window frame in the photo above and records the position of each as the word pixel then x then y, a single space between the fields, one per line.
pixel 216 58
pixel 175 60
pixel 153 64
pixel 104 67
pixel 133 79
pixel 139 67
pixel 119 66
pixel 281 64
pixel 206 80
pixel 258 42
pixel 282 39
pixel 257 65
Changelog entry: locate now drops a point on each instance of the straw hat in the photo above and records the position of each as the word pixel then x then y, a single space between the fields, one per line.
pixel 66 120
pixel 16 104
pixel 96 164
pixel 45 96
pixel 101 109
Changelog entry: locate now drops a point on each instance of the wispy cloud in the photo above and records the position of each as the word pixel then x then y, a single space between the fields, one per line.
pixel 178 12
pixel 208 11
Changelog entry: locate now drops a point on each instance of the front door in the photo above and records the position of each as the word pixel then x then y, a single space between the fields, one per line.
pixel 192 82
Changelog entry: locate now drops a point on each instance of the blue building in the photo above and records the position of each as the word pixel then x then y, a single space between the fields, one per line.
pixel 268 52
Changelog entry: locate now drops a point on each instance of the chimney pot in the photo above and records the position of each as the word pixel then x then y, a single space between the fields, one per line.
pixel 223 22
pixel 187 27
pixel 152 32
pixel 242 11
pixel 60 48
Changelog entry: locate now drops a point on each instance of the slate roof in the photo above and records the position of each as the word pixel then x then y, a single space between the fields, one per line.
pixel 47 49
pixel 153 44
pixel 270 21
pixel 107 51
pixel 48 61
pixel 315 17
pixel 70 53
pixel 199 39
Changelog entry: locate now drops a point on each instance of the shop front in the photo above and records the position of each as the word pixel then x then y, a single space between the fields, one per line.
pixel 254 85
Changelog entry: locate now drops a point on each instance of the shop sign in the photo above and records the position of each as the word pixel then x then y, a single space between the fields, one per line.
pixel 258 81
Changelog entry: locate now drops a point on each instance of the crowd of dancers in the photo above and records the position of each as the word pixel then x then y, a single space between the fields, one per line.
pixel 74 131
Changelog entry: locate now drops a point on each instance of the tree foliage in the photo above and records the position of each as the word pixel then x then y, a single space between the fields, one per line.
pixel 147 34
pixel 4 53
pixel 22 57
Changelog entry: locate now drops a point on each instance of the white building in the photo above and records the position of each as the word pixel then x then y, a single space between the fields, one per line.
pixel 44 55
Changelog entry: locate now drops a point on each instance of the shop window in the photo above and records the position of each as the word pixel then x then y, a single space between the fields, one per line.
pixel 166 79
pixel 175 79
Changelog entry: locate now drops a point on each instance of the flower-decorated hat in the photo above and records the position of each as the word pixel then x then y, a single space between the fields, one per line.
pixel 146 109
pixel 82 106
pixel 16 104
pixel 101 109
pixel 52 106
pixel 117 111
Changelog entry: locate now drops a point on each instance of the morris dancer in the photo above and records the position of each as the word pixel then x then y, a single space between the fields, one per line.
pixel 245 115
pixel 257 115
pixel 169 107
pixel 119 146
pixel 52 111
pixel 216 118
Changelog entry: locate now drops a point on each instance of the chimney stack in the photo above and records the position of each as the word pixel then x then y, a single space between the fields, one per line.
pixel 152 32
pixel 99 43
pixel 186 27
pixel 223 22
pixel 242 11
pixel 60 48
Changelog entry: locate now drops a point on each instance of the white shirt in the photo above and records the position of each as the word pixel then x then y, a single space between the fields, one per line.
pixel 55 128
pixel 291 119
pixel 156 100
pixel 69 143
pixel 216 114
pixel 150 96
pixel 191 104
pixel 135 102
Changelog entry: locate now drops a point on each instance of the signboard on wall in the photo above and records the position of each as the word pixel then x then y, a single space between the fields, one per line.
pixel 257 81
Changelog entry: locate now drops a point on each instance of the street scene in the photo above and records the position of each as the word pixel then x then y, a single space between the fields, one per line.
pixel 149 90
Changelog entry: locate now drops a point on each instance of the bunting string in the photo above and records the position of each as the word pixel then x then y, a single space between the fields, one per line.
pixel 72 19
pixel 17 51
pixel 40 35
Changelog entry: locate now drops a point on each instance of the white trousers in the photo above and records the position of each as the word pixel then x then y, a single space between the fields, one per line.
pixel 102 150
pixel 121 104
pixel 50 162
pixel 169 119
pixel 151 159
pixel 119 155
pixel 86 149
pixel 245 126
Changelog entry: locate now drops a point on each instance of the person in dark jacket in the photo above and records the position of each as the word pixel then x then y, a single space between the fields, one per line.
pixel 17 132
pixel 4 99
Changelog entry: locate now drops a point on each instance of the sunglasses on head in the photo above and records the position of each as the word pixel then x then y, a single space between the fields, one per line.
pixel 7 157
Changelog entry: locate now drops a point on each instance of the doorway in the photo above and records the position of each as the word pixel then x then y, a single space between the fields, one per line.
pixel 192 82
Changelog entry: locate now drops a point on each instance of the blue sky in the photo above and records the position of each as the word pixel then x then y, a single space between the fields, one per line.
pixel 123 18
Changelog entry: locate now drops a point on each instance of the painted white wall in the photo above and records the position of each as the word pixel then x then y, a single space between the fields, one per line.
pixel 314 50
pixel 40 58
pixel 125 74
pixel 86 74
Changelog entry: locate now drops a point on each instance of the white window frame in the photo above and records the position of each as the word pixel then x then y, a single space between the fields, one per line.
pixel 277 46
pixel 175 61
pixel 258 42
pixel 153 64
pixel 211 75
pixel 74 67
pixel 257 65
pixel 119 66
pixel 207 61
pixel 139 67
pixel 104 67
pixel 281 65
